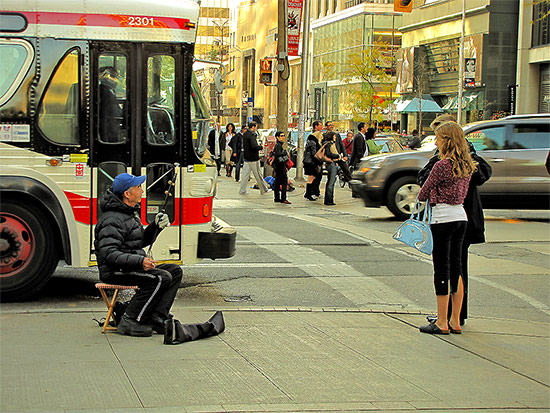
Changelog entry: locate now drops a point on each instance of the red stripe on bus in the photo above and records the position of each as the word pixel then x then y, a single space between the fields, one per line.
pixel 106 20
pixel 194 209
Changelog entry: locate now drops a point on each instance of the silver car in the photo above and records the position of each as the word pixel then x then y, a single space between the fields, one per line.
pixel 516 147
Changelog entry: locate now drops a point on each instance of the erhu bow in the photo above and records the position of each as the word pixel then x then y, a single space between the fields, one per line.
pixel 169 192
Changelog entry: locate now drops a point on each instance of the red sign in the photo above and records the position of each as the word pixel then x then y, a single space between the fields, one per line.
pixel 79 169
pixel 294 19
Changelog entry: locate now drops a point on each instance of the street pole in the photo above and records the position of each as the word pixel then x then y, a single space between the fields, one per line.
pixel 283 68
pixel 302 110
pixel 461 64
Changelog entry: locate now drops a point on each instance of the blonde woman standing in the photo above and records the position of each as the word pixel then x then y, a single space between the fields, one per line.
pixel 446 189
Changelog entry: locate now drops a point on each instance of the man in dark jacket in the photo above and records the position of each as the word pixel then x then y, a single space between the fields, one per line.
pixel 110 112
pixel 214 146
pixel 359 145
pixel 251 157
pixel 119 242
pixel 415 142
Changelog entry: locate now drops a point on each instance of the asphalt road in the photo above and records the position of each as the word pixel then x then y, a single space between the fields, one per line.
pixel 309 255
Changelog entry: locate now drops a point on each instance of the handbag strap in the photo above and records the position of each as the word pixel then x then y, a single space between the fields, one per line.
pixel 427 214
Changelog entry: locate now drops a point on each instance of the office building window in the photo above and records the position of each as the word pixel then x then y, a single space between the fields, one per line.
pixel 541 24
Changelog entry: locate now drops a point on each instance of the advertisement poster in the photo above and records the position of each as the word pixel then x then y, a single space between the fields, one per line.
pixel 470 72
pixel 293 26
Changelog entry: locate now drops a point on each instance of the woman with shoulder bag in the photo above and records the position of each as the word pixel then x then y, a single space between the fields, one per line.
pixel 445 189
pixel 280 158
pixel 475 227
pixel 331 157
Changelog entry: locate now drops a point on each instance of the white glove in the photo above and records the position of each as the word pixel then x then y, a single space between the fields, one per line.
pixel 162 220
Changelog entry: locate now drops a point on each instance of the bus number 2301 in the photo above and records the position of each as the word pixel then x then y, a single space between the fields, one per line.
pixel 140 21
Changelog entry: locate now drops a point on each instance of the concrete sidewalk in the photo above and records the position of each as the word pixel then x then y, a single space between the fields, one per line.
pixel 274 359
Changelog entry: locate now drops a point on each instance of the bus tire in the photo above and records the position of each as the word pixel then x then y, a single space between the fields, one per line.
pixel 401 196
pixel 28 254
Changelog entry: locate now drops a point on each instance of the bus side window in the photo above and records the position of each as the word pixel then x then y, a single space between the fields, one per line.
pixel 16 57
pixel 59 109
pixel 160 100
pixel 112 98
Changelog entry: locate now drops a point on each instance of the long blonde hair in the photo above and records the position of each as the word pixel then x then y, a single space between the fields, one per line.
pixel 453 146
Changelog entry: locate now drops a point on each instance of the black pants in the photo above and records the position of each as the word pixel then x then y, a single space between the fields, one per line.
pixel 464 308
pixel 314 187
pixel 156 293
pixel 447 255
pixel 281 181
pixel 238 165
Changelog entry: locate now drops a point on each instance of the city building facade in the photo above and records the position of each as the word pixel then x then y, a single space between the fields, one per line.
pixel 429 64
pixel 213 40
pixel 533 64
pixel 342 28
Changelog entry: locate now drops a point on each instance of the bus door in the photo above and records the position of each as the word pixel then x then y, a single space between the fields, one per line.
pixel 133 127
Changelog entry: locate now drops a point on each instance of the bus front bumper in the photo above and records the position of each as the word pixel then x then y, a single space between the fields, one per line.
pixel 218 243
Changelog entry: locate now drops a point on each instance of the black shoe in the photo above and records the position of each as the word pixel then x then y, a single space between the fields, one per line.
pixel 156 323
pixel 330 203
pixel 433 329
pixel 276 200
pixel 131 327
pixel 433 318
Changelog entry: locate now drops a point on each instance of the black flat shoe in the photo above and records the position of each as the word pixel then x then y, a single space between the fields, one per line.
pixel 433 329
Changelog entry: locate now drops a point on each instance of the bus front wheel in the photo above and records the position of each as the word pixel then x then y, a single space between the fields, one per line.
pixel 28 256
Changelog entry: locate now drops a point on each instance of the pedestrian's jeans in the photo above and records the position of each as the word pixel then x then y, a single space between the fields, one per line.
pixel 254 167
pixel 332 169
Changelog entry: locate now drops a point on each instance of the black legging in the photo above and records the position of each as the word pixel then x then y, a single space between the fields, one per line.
pixel 447 255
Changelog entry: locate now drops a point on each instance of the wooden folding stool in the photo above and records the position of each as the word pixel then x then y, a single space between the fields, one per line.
pixel 111 303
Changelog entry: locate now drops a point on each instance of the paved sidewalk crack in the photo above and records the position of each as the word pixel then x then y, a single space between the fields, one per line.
pixel 259 370
pixel 125 372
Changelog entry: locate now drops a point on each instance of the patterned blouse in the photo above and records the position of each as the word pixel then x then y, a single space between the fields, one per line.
pixel 442 187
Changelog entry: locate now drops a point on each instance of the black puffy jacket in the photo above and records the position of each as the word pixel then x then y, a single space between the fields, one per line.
pixel 120 237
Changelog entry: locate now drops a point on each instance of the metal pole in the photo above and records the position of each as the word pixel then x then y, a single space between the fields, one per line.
pixel 302 110
pixel 461 64
pixel 282 59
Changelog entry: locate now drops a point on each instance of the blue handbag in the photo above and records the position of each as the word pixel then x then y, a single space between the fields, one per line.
pixel 416 232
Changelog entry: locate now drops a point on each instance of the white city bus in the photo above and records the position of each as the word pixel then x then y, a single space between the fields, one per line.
pixel 90 89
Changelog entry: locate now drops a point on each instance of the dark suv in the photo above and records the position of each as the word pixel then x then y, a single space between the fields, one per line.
pixel 516 147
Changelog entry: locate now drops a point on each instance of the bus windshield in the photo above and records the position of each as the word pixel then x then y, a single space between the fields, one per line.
pixel 199 118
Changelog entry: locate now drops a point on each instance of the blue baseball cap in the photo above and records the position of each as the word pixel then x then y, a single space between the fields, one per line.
pixel 125 181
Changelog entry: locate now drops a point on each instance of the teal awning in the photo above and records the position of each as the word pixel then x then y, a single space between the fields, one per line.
pixel 416 105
